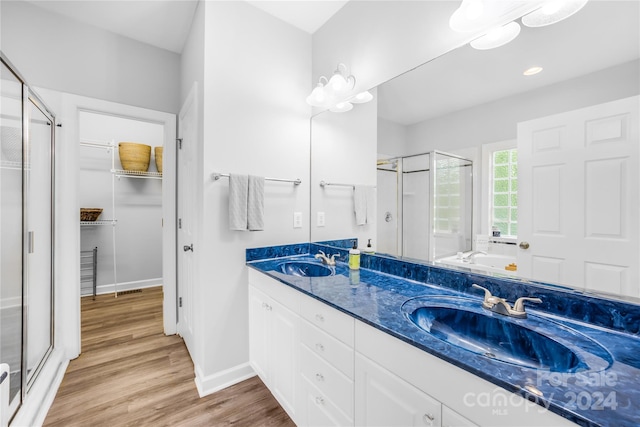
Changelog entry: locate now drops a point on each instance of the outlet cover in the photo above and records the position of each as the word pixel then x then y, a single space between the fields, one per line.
pixel 297 220
pixel 320 219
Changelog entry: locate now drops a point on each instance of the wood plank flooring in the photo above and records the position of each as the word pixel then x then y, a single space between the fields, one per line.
pixel 131 374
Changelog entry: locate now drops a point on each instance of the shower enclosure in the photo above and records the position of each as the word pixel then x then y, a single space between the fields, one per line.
pixel 425 205
pixel 26 230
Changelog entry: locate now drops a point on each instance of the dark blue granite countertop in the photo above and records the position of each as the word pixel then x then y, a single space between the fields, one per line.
pixel 604 394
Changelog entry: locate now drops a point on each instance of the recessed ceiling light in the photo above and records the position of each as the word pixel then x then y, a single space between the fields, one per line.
pixel 531 71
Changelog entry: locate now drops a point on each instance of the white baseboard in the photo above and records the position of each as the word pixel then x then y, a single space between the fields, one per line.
pixel 36 405
pixel 210 384
pixel 126 286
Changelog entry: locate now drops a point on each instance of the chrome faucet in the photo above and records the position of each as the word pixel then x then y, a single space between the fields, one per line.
pixel 501 306
pixel 325 259
pixel 470 257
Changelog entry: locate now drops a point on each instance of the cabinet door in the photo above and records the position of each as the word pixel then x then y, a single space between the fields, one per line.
pixel 283 347
pixel 258 333
pixel 316 410
pixel 450 418
pixel 384 399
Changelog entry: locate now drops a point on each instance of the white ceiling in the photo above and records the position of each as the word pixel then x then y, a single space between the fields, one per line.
pixel 603 34
pixel 165 23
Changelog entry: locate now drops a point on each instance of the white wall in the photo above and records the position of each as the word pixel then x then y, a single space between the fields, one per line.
pixel 254 81
pixel 343 151
pixel 56 52
pixel 138 204
pixel 392 139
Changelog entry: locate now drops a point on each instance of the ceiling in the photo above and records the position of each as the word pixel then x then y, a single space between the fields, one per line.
pixel 601 35
pixel 166 23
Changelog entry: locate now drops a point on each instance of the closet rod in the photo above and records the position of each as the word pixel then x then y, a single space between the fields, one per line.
pixel 216 176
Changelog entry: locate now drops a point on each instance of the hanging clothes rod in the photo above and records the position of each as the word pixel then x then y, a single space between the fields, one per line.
pixel 324 184
pixel 216 176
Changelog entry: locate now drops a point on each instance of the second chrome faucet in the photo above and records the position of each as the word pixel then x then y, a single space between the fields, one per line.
pixel 501 306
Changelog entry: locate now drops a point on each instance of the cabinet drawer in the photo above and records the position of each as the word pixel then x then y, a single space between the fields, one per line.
pixel 330 349
pixel 319 410
pixel 331 382
pixel 280 292
pixel 330 320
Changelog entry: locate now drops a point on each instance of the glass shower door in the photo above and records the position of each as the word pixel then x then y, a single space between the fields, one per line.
pixel 38 292
pixel 11 313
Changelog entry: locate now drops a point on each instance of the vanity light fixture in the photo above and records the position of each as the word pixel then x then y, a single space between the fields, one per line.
pixel 552 11
pixel 336 94
pixel 497 37
pixel 532 71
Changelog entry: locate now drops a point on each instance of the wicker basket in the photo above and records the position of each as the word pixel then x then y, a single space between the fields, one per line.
pixel 90 214
pixel 134 156
pixel 158 153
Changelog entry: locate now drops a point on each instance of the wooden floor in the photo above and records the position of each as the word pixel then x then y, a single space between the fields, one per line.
pixel 131 374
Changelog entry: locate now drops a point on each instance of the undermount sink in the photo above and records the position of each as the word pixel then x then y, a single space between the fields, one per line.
pixel 534 342
pixel 305 269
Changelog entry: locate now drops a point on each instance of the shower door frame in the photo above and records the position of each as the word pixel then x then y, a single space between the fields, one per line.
pixel 29 97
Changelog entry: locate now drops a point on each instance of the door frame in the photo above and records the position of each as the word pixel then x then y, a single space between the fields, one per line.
pixel 68 277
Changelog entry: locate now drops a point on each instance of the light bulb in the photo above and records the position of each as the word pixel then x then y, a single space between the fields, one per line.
pixel 362 97
pixel 497 37
pixel 318 96
pixel 552 12
pixel 474 10
pixel 337 83
pixel 341 107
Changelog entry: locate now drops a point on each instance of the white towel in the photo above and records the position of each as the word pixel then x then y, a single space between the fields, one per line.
pixel 238 195
pixel 255 203
pixel 364 201
pixel 360 204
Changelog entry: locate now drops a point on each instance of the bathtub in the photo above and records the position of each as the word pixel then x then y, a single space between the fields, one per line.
pixel 483 263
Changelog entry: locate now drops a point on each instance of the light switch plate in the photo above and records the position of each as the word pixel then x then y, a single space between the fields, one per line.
pixel 297 220
pixel 320 219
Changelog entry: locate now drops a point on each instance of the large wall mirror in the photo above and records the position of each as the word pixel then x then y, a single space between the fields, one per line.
pixel 479 106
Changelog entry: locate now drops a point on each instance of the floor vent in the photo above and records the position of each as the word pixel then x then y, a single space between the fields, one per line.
pixel 133 291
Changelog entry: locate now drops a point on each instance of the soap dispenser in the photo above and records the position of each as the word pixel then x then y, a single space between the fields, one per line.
pixel 354 256
pixel 369 249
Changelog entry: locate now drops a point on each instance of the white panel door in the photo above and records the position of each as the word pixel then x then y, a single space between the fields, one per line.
pixel 578 198
pixel 187 134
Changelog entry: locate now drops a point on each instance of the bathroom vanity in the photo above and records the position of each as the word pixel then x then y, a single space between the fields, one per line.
pixel 389 345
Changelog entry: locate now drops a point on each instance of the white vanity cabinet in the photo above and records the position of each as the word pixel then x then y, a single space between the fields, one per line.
pixel 326 352
pixel 327 369
pixel 273 338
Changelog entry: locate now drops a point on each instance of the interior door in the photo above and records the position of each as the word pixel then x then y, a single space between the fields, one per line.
pixel 578 198
pixel 187 134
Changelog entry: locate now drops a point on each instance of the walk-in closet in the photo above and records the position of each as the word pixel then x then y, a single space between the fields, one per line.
pixel 121 236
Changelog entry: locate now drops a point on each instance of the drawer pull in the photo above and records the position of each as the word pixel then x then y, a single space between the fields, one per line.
pixel 319 347
pixel 428 419
pixel 319 401
pixel 319 377
pixel 319 317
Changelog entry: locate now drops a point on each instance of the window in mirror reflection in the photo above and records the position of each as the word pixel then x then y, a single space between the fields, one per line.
pixel 504 206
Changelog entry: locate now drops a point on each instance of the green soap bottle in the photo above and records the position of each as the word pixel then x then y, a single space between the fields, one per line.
pixel 354 257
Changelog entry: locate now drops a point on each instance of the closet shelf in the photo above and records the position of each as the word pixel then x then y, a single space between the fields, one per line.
pixel 134 174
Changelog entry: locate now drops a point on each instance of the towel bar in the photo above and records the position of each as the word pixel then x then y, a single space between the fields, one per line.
pixel 216 176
